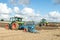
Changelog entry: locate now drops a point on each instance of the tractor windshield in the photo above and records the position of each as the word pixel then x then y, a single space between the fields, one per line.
pixel 19 19
pixel 16 19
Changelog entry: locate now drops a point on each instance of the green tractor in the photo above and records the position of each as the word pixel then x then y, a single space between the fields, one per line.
pixel 43 22
pixel 15 23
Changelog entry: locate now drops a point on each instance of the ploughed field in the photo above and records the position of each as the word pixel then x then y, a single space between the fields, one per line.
pixel 21 35
pixel 44 33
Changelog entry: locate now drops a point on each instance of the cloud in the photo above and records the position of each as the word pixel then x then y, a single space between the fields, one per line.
pixel 4 11
pixel 4 8
pixel 28 14
pixel 28 11
pixel 21 2
pixel 23 15
pixel 13 2
pixel 56 1
pixel 4 16
pixel 16 10
pixel 24 2
pixel 53 16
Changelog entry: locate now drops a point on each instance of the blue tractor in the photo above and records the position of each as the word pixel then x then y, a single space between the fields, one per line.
pixel 30 26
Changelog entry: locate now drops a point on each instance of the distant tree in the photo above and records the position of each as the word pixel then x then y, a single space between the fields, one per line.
pixel 2 19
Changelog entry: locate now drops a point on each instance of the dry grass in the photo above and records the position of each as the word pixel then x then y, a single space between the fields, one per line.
pixel 20 35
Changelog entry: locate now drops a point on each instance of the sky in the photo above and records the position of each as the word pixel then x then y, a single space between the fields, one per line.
pixel 31 9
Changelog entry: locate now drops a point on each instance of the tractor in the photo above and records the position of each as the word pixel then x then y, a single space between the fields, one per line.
pixel 17 23
pixel 43 22
pixel 30 26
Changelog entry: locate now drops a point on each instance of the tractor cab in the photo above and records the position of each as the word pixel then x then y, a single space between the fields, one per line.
pixel 16 22
pixel 16 19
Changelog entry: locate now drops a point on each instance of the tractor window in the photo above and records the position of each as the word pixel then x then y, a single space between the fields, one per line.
pixel 16 19
pixel 20 20
pixel 13 19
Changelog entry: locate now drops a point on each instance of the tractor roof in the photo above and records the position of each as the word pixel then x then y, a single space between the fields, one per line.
pixel 17 17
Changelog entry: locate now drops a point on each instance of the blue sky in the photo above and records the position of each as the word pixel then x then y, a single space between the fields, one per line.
pixel 41 6
pixel 44 6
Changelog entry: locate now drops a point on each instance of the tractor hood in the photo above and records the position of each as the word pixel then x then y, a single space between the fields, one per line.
pixel 21 22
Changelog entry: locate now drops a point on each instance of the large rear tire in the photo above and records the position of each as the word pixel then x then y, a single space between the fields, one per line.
pixel 15 26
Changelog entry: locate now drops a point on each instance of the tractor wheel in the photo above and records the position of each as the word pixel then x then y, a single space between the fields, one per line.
pixel 7 26
pixel 15 26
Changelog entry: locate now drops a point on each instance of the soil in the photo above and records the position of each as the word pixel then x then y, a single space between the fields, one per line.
pixel 46 34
